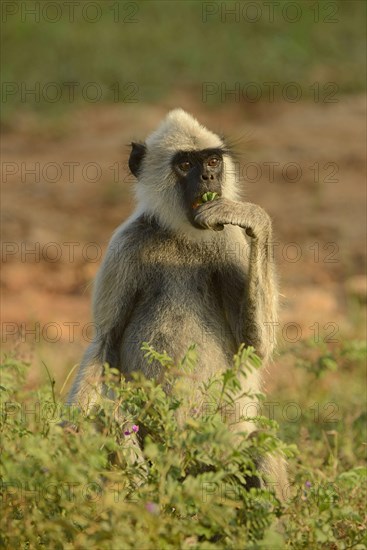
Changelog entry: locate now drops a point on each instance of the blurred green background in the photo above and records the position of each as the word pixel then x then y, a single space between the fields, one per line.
pixel 165 46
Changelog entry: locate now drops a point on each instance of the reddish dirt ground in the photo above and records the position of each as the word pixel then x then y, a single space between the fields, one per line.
pixel 303 162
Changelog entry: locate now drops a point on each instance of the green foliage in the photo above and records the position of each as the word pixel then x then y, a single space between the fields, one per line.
pixel 329 514
pixel 89 484
pixel 319 359
pixel 93 486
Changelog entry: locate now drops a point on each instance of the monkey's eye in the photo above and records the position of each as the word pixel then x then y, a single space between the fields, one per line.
pixel 213 162
pixel 184 166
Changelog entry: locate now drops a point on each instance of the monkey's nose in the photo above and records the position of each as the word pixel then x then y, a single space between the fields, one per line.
pixel 204 177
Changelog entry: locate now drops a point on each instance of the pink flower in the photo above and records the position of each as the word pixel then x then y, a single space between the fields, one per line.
pixel 134 428
pixel 152 507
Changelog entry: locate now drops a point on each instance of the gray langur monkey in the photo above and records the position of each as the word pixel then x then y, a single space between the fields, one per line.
pixel 175 273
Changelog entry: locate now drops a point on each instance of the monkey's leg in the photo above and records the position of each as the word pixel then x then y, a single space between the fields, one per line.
pixel 87 387
pixel 272 473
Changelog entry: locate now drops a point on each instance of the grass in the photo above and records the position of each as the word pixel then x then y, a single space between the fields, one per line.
pixel 156 49
pixel 63 488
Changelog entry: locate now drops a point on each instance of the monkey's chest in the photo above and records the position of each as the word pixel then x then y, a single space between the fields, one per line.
pixel 189 290
pixel 179 309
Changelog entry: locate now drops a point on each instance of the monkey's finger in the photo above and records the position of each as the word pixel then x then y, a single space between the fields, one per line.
pixel 201 220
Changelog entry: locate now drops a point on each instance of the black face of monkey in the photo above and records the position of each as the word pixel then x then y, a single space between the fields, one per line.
pixel 198 172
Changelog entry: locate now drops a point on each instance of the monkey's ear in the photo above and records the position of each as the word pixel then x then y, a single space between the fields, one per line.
pixel 137 154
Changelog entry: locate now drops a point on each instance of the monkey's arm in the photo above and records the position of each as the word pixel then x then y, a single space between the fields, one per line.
pixel 114 294
pixel 258 308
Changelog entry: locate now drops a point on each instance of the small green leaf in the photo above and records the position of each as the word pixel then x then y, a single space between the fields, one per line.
pixel 209 196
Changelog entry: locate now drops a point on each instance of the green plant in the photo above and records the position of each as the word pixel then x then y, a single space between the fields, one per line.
pixel 94 486
pixel 90 485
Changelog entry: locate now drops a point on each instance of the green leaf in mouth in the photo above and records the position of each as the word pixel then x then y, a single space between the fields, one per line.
pixel 209 196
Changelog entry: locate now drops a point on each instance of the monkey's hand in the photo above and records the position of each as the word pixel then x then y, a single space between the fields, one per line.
pixel 251 217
